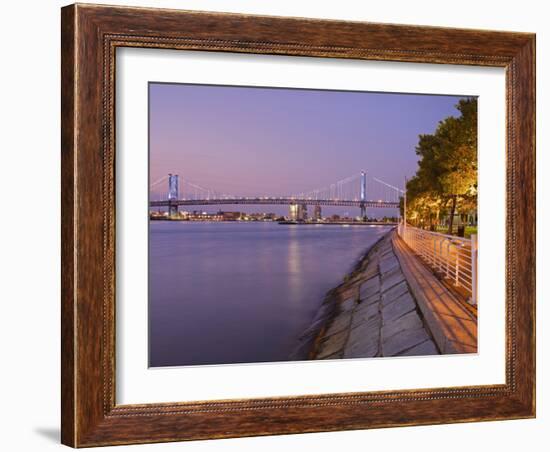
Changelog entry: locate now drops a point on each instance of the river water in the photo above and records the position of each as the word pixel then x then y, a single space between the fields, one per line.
pixel 242 292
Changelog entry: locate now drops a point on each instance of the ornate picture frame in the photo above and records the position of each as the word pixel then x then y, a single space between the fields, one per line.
pixel 90 36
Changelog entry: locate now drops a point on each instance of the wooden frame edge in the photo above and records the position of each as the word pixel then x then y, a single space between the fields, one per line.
pixel 68 242
pixel 90 35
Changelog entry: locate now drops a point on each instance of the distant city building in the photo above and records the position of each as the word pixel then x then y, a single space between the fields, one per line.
pixel 261 216
pixel 317 213
pixel 197 215
pixel 298 212
pixel 204 216
pixel 293 212
pixel 158 215
pixel 230 216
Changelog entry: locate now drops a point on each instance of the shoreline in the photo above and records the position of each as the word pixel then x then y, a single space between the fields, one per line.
pixel 328 310
pixel 282 223
pixel 343 223
pixel 372 313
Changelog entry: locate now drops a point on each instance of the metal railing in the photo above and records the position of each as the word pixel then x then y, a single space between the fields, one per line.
pixel 454 258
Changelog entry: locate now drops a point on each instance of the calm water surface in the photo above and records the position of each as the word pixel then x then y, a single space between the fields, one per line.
pixel 242 292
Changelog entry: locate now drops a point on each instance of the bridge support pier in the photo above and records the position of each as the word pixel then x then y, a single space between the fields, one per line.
pixel 363 212
pixel 172 210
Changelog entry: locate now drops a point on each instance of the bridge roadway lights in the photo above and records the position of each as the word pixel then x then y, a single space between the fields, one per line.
pixel 276 201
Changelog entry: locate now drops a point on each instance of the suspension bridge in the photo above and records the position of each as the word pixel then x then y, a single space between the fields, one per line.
pixel 355 191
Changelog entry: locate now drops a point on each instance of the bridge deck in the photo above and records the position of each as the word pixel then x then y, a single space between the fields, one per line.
pixel 275 201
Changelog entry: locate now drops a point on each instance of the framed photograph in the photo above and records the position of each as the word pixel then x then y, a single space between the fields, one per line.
pixel 281 225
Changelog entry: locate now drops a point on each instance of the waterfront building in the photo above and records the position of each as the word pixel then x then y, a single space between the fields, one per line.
pixel 293 212
pixel 230 216
pixel 298 212
pixel 317 213
pixel 205 216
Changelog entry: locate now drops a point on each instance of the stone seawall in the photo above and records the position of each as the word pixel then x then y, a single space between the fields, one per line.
pixel 371 314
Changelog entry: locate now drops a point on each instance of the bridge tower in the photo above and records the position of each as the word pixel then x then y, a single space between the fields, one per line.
pixel 173 194
pixel 363 195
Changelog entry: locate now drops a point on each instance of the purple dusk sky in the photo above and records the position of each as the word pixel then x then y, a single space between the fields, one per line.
pixel 270 141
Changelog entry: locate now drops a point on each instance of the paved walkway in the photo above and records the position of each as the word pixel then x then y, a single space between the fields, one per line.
pixel 453 326
pixel 376 314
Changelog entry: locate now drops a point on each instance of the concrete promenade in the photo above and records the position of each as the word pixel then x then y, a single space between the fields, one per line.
pixel 390 306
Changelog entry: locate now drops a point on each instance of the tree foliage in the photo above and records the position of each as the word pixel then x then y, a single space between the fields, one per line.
pixel 446 178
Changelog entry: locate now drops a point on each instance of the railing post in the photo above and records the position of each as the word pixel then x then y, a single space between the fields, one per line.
pixel 448 259
pixel 441 255
pixel 473 257
pixel 430 246
pixel 456 265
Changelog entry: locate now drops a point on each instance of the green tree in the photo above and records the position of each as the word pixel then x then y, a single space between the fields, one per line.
pixel 446 177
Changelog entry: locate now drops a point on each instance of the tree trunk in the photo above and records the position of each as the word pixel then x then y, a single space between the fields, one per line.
pixel 452 216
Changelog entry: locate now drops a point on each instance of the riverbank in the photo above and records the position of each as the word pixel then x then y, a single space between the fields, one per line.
pixel 373 313
pixel 285 222
pixel 338 223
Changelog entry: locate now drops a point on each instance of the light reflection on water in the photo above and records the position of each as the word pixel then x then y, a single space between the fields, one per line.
pixel 237 293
